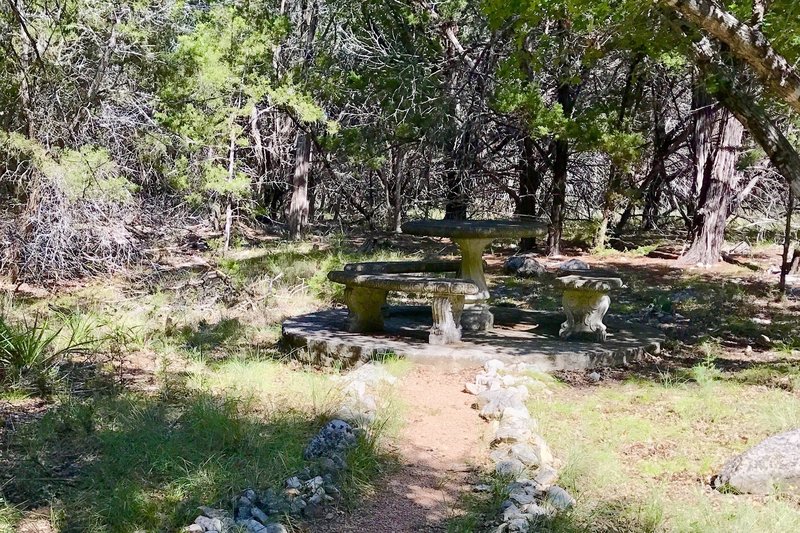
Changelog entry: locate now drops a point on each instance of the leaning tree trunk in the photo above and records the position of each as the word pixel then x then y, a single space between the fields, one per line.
pixel 717 161
pixel 298 209
pixel 746 43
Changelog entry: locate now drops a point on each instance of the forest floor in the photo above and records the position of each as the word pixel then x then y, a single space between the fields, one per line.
pixel 188 399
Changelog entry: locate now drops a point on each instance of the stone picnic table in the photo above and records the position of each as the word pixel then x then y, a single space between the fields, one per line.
pixel 472 237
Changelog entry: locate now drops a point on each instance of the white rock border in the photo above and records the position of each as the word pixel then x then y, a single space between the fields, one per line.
pixel 518 450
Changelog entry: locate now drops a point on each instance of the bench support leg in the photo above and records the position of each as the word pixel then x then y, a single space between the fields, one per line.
pixel 365 307
pixel 585 310
pixel 446 319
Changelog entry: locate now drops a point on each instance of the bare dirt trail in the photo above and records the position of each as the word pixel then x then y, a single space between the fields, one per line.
pixel 441 443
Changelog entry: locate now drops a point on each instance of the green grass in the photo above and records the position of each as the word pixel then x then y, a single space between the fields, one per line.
pixel 638 455
pixel 474 509
pixel 145 462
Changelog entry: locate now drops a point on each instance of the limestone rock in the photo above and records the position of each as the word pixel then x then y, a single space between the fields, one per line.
pixel 371 374
pixel 492 403
pixel 559 498
pixel 512 430
pixel 509 467
pixel 335 438
pixel 545 477
pixel 208 524
pixel 542 450
pixel 474 388
pixel 511 512
pixel 524 266
pixel 259 515
pixel 252 526
pixel 492 366
pixel 775 462
pixel 525 453
pixel 534 510
pixel 573 264
pixel 519 525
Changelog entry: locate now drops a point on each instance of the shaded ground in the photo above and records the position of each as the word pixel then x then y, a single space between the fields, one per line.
pixel 440 448
pixel 215 322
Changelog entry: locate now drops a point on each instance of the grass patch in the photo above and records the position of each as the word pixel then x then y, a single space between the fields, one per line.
pixel 146 462
pixel 474 509
pixel 638 455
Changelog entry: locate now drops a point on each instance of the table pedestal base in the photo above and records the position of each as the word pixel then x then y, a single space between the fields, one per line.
pixel 585 310
pixel 477 317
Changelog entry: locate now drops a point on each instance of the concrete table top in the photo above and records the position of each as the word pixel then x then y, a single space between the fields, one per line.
pixel 472 238
pixel 475 229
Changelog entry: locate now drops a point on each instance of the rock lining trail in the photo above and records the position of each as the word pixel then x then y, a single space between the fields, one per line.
pixel 440 445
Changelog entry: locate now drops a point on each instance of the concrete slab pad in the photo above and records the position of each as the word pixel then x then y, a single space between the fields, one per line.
pixel 519 336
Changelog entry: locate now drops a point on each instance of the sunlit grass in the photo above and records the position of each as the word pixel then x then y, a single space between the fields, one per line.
pixel 638 456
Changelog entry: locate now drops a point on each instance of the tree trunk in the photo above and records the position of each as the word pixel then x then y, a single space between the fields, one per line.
pixel 530 178
pixel 658 169
pixel 560 169
pixel 398 168
pixel 753 116
pixel 787 243
pixel 298 209
pixel 716 159
pixel 780 151
pixel 228 196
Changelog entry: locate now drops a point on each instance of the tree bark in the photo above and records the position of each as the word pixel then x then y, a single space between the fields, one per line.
pixel 780 151
pixel 298 209
pixel 716 168
pixel 746 43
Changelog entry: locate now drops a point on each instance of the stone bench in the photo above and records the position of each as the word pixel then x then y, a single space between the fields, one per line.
pixel 586 302
pixel 365 295
pixel 435 266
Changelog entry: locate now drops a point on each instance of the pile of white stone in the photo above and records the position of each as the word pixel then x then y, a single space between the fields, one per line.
pixel 518 451
pixel 308 493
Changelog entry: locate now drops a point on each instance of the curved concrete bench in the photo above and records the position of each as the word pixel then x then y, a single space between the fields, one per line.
pixel 404 267
pixel 586 302
pixel 365 295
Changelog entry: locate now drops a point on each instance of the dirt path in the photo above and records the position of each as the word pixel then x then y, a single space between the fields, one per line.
pixel 441 442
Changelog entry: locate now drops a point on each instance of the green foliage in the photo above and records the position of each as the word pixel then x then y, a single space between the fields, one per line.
pixel 30 355
pixel 88 173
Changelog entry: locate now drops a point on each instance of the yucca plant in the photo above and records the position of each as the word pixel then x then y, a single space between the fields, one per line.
pixel 30 355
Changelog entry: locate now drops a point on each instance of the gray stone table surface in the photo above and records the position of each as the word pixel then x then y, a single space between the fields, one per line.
pixel 475 229
pixel 404 267
pixel 395 282
pixel 472 238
